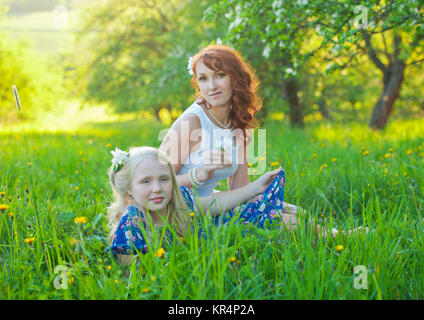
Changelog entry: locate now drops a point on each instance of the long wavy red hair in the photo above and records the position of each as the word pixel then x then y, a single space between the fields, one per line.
pixel 244 99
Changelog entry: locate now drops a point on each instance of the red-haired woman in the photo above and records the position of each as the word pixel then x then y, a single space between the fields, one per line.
pixel 208 142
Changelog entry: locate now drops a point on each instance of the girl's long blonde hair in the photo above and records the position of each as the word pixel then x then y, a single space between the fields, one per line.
pixel 121 181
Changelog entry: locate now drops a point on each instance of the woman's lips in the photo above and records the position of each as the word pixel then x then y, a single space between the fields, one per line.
pixel 215 94
pixel 157 199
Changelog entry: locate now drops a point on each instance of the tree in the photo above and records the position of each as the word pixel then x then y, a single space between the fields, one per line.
pixel 138 57
pixel 287 27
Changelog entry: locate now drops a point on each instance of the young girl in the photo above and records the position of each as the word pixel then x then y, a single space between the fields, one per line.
pixel 145 188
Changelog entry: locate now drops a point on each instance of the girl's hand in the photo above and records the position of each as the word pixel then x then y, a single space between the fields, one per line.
pixel 265 180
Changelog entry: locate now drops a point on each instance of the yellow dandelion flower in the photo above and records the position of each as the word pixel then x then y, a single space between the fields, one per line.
pixel 76 188
pixel 334 160
pixel 302 174
pixel 29 240
pixel 73 241
pixel 276 216
pixel 365 153
pixel 409 152
pixel 3 207
pixel 145 290
pixel 109 267
pixel 405 174
pixel 314 155
pixel 160 253
pixel 2 194
pixel 80 220
pixel 249 165
pixel 324 145
pixel 362 149
pixel 191 214
pixel 11 214
pixel 339 247
pixel 153 278
pixel 232 259
pixel 182 239
pixel 390 149
pixel 116 281
pixel 71 280
pixel 108 145
pixel 387 155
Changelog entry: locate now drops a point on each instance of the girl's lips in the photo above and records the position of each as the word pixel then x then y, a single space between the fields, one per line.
pixel 157 199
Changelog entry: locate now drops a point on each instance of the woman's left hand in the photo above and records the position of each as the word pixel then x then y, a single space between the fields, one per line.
pixel 264 181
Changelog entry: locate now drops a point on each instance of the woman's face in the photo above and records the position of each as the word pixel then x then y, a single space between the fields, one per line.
pixel 215 85
pixel 151 186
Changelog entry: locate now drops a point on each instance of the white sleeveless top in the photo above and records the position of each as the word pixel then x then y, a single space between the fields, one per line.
pixel 212 137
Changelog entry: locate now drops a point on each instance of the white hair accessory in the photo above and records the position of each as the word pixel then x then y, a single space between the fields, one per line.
pixel 119 159
pixel 190 65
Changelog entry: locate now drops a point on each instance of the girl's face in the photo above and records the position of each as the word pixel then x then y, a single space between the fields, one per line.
pixel 151 186
pixel 215 85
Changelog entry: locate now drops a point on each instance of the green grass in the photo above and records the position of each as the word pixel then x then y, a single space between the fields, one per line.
pixel 48 178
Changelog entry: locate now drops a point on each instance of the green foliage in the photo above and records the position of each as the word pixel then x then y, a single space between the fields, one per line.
pixel 38 80
pixel 138 58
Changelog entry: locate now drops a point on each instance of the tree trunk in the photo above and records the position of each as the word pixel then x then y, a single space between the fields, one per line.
pixel 296 111
pixel 392 79
pixel 322 107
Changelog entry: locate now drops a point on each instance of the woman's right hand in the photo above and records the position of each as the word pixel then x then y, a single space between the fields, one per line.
pixel 213 160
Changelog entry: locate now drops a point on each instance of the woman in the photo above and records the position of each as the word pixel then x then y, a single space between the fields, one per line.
pixel 225 107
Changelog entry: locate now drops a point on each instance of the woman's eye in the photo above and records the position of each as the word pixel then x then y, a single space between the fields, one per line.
pixel 201 78
pixel 221 75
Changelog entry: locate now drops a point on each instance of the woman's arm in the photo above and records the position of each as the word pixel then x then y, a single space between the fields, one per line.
pixel 226 200
pixel 178 144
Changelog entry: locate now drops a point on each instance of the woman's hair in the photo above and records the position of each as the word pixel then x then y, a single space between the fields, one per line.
pixel 244 100
pixel 121 181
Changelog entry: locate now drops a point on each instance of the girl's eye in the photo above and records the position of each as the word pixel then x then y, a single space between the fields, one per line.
pixel 145 181
pixel 165 179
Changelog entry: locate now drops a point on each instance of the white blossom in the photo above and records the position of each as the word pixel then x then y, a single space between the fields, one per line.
pixel 119 157
pixel 267 51
pixel 190 66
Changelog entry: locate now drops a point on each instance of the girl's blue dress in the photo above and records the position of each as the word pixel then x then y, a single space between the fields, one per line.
pixel 128 237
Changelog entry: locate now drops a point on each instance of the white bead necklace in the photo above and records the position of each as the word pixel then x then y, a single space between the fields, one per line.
pixel 223 125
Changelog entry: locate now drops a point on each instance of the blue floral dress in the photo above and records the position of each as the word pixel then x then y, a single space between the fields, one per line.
pixel 128 237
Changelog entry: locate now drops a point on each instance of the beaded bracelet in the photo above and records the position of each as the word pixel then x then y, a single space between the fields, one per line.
pixel 193 178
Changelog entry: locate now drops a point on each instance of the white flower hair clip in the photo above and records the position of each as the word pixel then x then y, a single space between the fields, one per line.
pixel 190 66
pixel 119 159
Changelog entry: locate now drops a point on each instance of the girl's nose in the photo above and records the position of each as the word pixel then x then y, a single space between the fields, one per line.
pixel 156 186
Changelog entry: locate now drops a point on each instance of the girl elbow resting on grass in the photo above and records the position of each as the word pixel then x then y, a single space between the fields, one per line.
pixel 145 189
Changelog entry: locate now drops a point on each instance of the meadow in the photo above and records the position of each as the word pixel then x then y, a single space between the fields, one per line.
pixel 343 175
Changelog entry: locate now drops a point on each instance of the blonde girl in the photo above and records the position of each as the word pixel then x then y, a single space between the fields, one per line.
pixel 145 189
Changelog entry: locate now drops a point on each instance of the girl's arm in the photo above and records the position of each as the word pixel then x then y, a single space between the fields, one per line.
pixel 226 200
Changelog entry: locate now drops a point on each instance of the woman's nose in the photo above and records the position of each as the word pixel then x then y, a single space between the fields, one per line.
pixel 212 83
